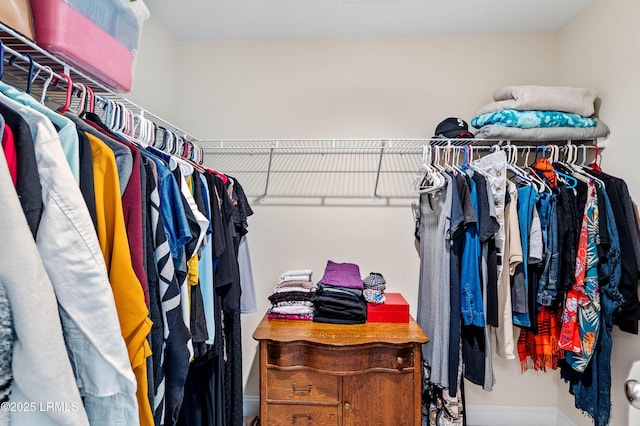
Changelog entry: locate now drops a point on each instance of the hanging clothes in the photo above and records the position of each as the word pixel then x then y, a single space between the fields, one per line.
pixel 560 278
pixel 132 225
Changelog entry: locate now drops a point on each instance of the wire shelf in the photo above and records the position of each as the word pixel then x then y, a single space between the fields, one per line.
pixel 16 69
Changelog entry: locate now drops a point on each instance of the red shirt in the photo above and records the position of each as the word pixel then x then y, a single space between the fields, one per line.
pixel 9 147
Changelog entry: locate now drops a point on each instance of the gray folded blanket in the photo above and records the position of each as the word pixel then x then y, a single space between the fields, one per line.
pixel 546 134
pixel 552 98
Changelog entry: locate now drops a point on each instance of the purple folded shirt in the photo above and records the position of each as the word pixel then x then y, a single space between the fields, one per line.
pixel 342 275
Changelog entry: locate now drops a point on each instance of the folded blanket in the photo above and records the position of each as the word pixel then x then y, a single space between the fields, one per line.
pixel 568 99
pixel 531 119
pixel 547 134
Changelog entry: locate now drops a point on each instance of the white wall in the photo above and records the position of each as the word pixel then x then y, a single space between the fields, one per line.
pixel 353 88
pixel 350 87
pixel 382 87
pixel 599 49
pixel 156 71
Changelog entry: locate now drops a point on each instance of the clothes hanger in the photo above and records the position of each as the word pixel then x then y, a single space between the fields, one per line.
pixel 514 168
pixel 67 103
pixel 161 141
pixel 188 157
pixel 436 163
pixel 46 84
pixel 92 100
pixel 31 76
pixel 82 94
pixel 121 119
pixel 595 166
pixel 171 142
pixel 198 154
pixel 568 180
pixel 428 179
pixel 448 166
pixel 581 172
pixel 110 113
pixel 144 132
pixel 455 159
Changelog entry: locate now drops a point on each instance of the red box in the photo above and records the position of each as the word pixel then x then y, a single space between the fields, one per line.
pixel 394 309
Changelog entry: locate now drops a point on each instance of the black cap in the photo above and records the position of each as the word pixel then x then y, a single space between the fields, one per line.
pixel 453 128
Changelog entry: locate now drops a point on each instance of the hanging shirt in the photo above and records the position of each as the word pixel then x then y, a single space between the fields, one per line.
pixel 581 319
pixel 40 366
pixel 456 232
pixel 470 284
pixel 65 239
pixel 27 179
pixel 127 290
pixel 512 257
pixel 527 198
pixel 593 388
pixel 433 288
pixel 9 148
pixel 206 267
pixel 548 286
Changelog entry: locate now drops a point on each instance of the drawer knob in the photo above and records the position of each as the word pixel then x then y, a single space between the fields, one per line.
pixel 295 388
pixel 346 406
pixel 400 360
pixel 295 418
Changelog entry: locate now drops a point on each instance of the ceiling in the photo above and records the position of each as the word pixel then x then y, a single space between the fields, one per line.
pixel 190 20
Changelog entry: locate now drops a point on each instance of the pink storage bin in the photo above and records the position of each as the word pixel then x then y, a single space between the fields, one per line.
pixel 67 33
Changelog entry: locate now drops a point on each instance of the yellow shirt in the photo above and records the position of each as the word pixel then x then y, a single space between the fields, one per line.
pixel 127 290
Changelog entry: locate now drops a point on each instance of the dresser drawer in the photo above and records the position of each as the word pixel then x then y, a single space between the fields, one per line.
pixel 301 415
pixel 341 360
pixel 301 386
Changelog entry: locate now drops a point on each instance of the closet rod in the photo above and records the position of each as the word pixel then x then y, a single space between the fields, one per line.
pixel 16 44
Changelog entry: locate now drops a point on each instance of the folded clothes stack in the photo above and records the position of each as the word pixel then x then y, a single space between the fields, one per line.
pixel 374 285
pixel 339 297
pixel 291 298
pixel 540 113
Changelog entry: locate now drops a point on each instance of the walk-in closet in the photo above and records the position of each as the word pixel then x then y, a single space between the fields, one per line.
pixel 348 212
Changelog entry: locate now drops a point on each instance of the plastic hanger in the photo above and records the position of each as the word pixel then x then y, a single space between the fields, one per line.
pixel 92 100
pixel 522 176
pixel 82 94
pixel 121 119
pixel 595 166
pixel 428 178
pixel 67 104
pixel 161 141
pixel 31 69
pixel 46 84
pixel 198 156
pixel 568 180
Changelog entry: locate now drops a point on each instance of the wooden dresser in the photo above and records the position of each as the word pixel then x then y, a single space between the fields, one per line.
pixel 329 374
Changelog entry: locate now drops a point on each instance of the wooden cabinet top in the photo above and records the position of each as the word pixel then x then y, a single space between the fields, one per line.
pixel 281 330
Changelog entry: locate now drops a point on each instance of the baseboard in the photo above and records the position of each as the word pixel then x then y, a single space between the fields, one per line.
pixel 521 415
pixel 478 415
pixel 251 406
